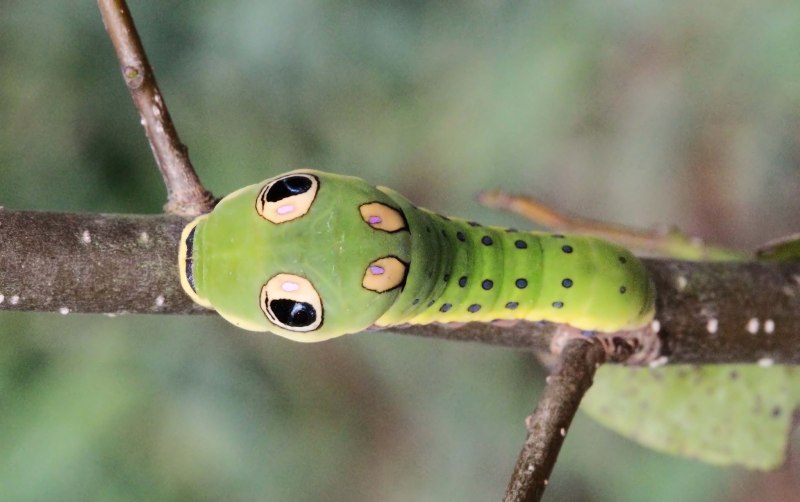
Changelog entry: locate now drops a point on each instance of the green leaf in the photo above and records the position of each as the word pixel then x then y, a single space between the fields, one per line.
pixel 783 249
pixel 724 415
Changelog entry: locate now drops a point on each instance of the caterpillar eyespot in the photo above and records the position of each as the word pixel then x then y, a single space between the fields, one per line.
pixel 287 198
pixel 310 256
pixel 292 303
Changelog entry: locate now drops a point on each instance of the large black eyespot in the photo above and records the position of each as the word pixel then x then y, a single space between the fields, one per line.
pixel 287 198
pixel 292 313
pixel 291 302
pixel 287 187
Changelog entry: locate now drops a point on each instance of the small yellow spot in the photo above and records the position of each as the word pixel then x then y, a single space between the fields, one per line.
pixel 384 274
pixel 382 217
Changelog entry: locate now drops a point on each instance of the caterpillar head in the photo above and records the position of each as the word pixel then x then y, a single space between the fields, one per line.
pixel 306 255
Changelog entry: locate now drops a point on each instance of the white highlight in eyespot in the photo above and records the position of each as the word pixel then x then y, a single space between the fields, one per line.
pixel 159 301
pixel 86 237
pixel 289 286
pixel 769 326
pixel 712 325
pixel 657 363
pixel 376 270
pixel 63 311
pixel 765 362
pixel 285 209
pixel 682 282
pixel 14 300
pixel 753 325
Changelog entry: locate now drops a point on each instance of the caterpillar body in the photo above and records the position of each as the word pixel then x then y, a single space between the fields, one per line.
pixel 311 255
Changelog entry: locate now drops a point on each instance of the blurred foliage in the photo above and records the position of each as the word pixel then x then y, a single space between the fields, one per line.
pixel 639 112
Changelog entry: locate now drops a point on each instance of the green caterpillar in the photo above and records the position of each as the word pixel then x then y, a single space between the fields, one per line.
pixel 311 255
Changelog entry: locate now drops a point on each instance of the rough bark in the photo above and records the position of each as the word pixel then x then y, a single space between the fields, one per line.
pixel 708 312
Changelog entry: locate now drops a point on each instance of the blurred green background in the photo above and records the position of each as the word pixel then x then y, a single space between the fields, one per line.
pixel 638 112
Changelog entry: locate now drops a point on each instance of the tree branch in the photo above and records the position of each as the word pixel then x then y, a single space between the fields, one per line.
pixel 185 193
pixel 548 425
pixel 721 312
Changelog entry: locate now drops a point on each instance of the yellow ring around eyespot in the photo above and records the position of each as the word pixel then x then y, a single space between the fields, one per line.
pixel 296 205
pixel 304 292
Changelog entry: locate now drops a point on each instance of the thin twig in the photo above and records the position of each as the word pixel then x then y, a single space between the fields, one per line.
pixel 186 196
pixel 548 425
pixel 668 242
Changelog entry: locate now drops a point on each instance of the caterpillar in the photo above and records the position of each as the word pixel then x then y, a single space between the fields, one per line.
pixel 310 255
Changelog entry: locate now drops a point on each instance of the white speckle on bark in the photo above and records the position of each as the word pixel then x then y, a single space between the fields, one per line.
pixel 655 325
pixel 13 300
pixel 753 325
pixel 769 326
pixel 545 482
pixel 160 301
pixel 712 325
pixel 63 311
pixel 156 111
pixel 563 432
pixel 531 468
pixel 144 238
pixel 766 362
pixel 86 237
pixel 681 282
pixel 657 363
pixel 2 298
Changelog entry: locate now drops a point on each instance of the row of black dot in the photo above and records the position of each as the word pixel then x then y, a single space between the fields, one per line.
pixel 487 284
